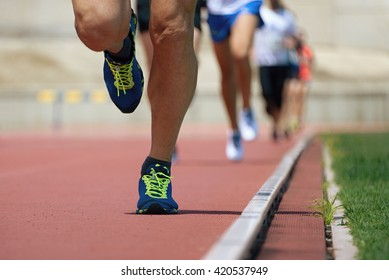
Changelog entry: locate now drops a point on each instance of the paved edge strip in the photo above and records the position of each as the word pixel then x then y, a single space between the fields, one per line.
pixel 342 241
pixel 236 242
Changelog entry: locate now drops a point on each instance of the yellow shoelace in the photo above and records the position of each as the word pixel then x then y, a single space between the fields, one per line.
pixel 122 75
pixel 156 184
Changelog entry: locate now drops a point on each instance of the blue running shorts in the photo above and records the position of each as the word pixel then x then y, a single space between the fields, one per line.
pixel 220 25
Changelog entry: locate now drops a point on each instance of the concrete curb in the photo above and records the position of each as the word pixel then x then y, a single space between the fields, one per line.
pixel 343 248
pixel 236 242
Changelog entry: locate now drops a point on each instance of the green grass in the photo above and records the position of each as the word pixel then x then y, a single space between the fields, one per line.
pixel 361 166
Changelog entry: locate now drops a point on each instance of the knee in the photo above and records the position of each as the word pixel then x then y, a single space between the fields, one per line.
pixel 98 29
pixel 240 53
pixel 171 28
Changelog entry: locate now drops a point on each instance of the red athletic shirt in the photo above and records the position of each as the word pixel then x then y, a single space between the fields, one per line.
pixel 306 56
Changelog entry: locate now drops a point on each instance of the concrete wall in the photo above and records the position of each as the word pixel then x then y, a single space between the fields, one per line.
pixel 353 23
pixel 36 18
pixel 351 83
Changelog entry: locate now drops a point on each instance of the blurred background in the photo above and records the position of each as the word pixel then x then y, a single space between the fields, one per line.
pixel 49 79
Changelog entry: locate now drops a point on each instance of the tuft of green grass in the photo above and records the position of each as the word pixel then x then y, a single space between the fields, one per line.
pixel 324 207
pixel 361 166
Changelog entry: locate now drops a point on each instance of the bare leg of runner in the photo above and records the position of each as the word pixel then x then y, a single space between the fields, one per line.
pixel 172 82
pixel 241 41
pixel 173 74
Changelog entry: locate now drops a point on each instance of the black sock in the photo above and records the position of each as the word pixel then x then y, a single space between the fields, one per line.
pixel 152 161
pixel 124 55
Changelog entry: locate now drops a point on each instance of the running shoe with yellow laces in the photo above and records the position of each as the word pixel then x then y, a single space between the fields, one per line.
pixel 155 192
pixel 124 79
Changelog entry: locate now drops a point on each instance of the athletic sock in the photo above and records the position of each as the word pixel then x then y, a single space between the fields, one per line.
pixel 153 161
pixel 124 55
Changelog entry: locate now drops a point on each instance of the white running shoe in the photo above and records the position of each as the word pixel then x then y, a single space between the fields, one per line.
pixel 234 148
pixel 248 125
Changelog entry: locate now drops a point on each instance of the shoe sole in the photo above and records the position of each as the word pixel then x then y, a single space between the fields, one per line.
pixel 156 209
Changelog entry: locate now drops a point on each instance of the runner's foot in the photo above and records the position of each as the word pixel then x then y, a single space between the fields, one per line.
pixel 155 192
pixel 124 79
pixel 248 125
pixel 234 148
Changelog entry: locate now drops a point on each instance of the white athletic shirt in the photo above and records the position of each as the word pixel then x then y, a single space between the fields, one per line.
pixel 225 7
pixel 269 47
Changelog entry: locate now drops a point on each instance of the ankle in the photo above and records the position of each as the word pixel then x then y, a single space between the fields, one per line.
pixel 124 54
pixel 153 161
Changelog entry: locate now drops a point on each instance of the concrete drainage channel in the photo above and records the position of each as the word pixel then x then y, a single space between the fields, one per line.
pixel 242 241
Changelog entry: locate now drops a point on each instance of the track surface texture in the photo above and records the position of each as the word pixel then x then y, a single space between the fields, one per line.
pixel 73 196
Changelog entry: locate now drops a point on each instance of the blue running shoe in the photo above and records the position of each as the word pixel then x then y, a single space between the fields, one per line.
pixel 124 80
pixel 155 192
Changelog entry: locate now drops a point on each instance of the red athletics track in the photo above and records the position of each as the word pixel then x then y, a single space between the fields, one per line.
pixel 73 195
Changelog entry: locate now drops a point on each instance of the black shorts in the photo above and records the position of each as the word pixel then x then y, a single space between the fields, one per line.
pixel 197 16
pixel 272 80
pixel 143 13
pixel 294 71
